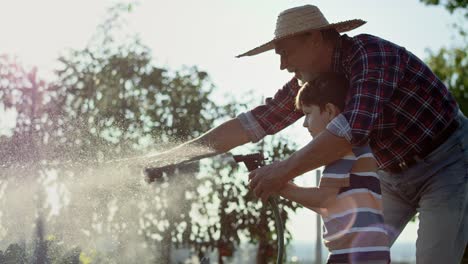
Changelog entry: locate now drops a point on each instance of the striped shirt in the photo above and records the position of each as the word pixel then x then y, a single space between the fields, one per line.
pixel 353 222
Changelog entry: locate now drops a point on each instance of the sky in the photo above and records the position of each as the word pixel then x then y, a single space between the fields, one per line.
pixel 208 34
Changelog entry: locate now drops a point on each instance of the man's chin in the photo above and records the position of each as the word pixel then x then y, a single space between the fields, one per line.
pixel 304 77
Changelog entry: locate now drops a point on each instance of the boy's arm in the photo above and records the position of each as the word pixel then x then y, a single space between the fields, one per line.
pixel 310 197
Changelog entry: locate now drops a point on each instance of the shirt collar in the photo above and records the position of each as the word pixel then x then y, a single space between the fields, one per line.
pixel 337 56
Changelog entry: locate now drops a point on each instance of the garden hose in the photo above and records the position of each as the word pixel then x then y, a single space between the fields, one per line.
pixel 253 162
pixel 272 201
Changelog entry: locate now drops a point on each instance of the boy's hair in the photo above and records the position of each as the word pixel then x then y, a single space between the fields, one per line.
pixel 325 88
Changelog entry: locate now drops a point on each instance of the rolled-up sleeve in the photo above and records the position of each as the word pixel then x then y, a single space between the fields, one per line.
pixel 254 130
pixel 274 115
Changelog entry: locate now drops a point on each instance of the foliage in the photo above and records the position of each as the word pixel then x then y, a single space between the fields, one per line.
pixel 110 101
pixel 32 99
pixel 57 254
pixel 117 98
pixel 238 213
pixel 263 233
pixel 14 254
pixel 451 65
pixel 450 5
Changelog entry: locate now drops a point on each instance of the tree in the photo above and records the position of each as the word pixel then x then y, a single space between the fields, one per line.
pixel 109 101
pixel 134 100
pixel 451 66
pixel 31 98
pixel 14 254
pixel 233 210
pixel 115 99
pixel 450 5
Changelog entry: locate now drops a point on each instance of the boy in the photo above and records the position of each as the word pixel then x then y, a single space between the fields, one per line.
pixel 348 197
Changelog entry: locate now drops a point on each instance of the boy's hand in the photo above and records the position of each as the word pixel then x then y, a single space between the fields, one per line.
pixel 268 180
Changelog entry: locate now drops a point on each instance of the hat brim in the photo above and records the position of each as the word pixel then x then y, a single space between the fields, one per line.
pixel 340 27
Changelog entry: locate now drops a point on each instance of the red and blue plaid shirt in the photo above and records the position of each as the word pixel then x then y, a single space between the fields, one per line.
pixel 395 102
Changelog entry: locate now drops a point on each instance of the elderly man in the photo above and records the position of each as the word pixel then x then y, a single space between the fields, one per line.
pixel 395 103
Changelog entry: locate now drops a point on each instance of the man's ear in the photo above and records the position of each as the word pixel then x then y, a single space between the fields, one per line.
pixel 332 111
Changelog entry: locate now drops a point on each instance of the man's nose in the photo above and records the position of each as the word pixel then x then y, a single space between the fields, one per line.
pixel 305 122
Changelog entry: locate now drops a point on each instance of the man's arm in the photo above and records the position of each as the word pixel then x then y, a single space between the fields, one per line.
pixel 324 149
pixel 222 138
pixel 274 115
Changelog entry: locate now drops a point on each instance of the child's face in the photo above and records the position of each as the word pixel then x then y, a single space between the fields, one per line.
pixel 315 120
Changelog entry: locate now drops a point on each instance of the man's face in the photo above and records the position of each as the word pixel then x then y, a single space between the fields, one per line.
pixel 302 55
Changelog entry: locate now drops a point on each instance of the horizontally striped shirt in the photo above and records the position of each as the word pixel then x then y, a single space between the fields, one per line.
pixel 353 222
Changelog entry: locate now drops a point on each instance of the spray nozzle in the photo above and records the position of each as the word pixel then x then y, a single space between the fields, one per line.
pixel 252 161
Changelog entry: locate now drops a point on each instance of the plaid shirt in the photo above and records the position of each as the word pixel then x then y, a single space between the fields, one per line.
pixel 395 102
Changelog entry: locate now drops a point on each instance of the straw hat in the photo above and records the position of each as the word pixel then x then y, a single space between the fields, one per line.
pixel 299 20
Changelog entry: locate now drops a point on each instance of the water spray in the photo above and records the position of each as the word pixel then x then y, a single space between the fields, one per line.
pixel 251 161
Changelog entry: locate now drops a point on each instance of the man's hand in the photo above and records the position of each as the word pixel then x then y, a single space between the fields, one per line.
pixel 324 149
pixel 268 180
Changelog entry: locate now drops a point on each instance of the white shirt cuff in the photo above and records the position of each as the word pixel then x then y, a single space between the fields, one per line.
pixel 251 126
